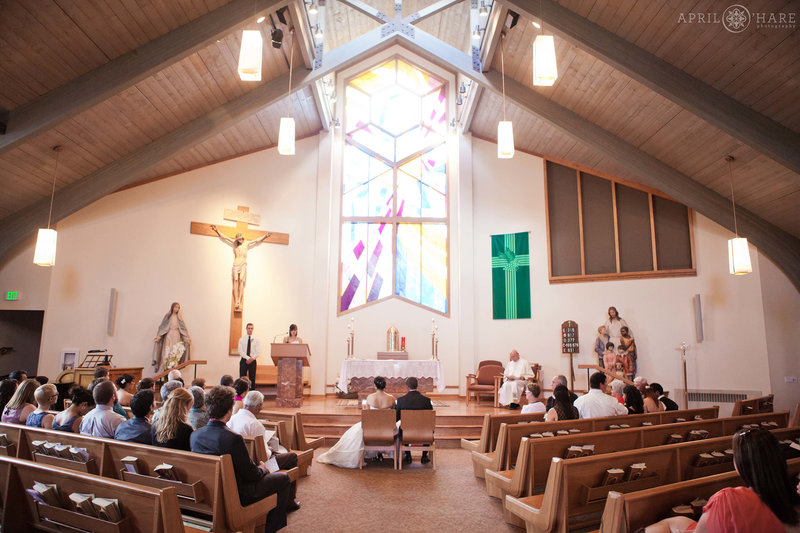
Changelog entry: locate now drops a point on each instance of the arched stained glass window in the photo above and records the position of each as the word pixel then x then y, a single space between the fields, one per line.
pixel 394 188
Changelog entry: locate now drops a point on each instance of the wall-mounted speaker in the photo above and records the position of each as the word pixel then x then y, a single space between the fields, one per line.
pixel 112 312
pixel 698 317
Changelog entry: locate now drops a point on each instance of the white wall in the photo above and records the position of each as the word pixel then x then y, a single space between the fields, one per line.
pixel 32 281
pixel 138 242
pixel 509 197
pixel 781 316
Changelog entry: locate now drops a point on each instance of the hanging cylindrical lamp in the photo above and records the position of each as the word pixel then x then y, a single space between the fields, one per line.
pixel 738 250
pixel 250 55
pixel 45 252
pixel 505 130
pixel 286 133
pixel 545 70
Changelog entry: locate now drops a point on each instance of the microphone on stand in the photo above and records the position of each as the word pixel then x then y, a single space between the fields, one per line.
pixel 279 335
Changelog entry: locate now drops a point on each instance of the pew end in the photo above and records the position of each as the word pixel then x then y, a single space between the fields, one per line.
pixel 539 512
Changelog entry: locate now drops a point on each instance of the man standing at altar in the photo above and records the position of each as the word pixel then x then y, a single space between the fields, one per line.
pixel 516 377
pixel 249 349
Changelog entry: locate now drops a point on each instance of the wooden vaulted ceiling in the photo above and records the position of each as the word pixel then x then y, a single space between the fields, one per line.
pixel 186 107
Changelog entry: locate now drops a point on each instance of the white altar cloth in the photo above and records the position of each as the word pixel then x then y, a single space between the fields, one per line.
pixel 391 369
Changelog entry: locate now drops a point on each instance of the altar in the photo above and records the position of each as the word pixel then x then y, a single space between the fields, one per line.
pixel 356 375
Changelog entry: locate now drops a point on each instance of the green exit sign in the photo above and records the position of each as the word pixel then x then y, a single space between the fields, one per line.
pixel 12 296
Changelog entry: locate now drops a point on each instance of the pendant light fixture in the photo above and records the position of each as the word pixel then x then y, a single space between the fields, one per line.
pixel 286 132
pixel 545 70
pixel 250 52
pixel 483 11
pixel 505 130
pixel 45 253
pixel 738 251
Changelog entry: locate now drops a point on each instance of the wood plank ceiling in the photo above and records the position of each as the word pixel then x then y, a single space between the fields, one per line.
pixel 48 43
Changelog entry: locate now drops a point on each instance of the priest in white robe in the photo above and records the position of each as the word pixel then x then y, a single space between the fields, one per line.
pixel 515 378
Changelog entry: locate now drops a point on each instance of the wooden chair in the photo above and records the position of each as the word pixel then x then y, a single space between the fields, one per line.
pixel 380 432
pixel 417 433
pixel 484 382
pixel 490 362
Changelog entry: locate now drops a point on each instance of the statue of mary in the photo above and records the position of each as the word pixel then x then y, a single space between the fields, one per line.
pixel 172 341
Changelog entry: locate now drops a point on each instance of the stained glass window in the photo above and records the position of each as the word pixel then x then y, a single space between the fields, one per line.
pixel 394 188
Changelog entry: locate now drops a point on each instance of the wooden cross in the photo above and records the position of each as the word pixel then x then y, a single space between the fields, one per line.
pixel 243 218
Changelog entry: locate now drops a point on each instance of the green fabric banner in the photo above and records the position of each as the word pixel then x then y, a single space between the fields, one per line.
pixel 511 276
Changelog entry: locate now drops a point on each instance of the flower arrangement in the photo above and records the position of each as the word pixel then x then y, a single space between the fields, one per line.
pixel 174 355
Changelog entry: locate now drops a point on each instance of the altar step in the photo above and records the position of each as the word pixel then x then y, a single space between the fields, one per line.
pixel 450 429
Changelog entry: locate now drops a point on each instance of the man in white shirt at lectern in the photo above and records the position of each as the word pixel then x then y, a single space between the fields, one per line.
pixel 249 349
pixel 516 377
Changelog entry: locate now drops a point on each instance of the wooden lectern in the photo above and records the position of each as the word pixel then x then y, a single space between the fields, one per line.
pixel 290 360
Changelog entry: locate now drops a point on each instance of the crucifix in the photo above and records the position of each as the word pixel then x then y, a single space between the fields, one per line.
pixel 241 238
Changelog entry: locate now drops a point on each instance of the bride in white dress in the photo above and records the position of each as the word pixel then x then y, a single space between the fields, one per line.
pixel 346 453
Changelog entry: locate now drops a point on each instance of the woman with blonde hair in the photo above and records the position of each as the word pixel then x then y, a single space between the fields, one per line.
pixel 170 429
pixel 21 403
pixel 46 396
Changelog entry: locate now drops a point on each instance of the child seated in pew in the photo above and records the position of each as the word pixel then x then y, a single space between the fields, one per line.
pixel 70 418
pixel 46 396
pixel 768 501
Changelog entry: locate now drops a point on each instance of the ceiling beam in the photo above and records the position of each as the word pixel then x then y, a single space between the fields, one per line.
pixel 368 10
pixel 21 226
pixel 720 110
pixel 494 27
pixel 302 34
pixel 61 104
pixel 430 10
pixel 778 245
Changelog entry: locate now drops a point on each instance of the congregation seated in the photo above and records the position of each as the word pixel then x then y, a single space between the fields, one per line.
pixel 70 418
pixel 562 408
pixel 534 405
pixel 246 424
pixel 633 400
pixel 164 391
pixel 198 382
pixel 253 481
pixel 21 403
pixel 559 379
pixel 125 389
pixel 768 501
pixel 669 405
pixel 240 386
pixel 138 429
pixel 7 389
pixel 226 380
pixel 102 421
pixel 651 401
pixel 46 396
pixel 170 430
pixel 175 375
pixel 617 388
pixel 146 384
pixel 597 403
pixel 102 376
pixel 197 414
pixel 42 379
pixel 18 375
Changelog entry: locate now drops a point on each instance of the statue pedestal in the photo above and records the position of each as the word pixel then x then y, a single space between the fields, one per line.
pixel 290 383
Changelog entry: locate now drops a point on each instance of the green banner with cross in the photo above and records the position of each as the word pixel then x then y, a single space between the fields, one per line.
pixel 511 276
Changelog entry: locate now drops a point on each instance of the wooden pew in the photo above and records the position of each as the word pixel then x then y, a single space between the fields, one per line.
pixel 505 451
pixel 751 406
pixel 491 428
pixel 582 495
pixel 201 486
pixel 634 510
pixel 537 460
pixel 144 509
pixel 292 437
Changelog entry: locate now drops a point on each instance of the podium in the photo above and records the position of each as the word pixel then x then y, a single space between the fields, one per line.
pixel 290 360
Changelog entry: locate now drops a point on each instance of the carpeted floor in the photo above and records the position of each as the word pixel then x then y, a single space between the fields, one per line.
pixel 379 498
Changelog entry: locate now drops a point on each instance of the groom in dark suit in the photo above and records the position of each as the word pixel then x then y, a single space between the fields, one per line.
pixel 414 400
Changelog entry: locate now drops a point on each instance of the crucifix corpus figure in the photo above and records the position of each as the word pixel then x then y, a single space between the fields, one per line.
pixel 241 237
pixel 239 270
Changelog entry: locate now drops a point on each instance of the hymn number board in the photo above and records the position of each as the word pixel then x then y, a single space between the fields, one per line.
pixel 569 337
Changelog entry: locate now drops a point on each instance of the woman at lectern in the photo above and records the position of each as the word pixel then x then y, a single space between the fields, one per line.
pixel 292 338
